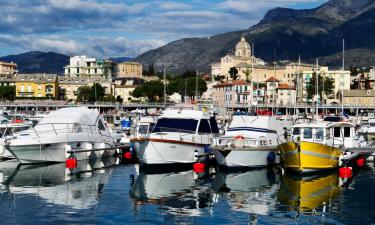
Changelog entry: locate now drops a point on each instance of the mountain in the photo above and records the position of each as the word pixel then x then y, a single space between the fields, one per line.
pixel 310 33
pixel 121 59
pixel 38 62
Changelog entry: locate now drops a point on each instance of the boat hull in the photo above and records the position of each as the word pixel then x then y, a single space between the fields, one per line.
pixel 158 152
pixel 56 152
pixel 237 158
pixel 307 157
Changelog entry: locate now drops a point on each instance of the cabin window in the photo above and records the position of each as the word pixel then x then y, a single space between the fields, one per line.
pixel 296 131
pixel 176 125
pixel 346 131
pixel 101 125
pixel 319 133
pixel 214 127
pixel 307 133
pixel 204 127
pixel 143 129
pixel 336 132
pixel 328 135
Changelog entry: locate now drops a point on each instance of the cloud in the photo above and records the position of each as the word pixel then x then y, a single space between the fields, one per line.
pixel 104 28
pixel 102 47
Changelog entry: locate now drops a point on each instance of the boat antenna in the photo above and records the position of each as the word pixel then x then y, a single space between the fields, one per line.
pixel 341 77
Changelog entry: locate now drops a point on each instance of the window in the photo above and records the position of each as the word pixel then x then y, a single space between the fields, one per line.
pixel 296 131
pixel 214 127
pixel 336 132
pixel 176 125
pixel 101 125
pixel 346 131
pixel 319 133
pixel 204 127
pixel 307 133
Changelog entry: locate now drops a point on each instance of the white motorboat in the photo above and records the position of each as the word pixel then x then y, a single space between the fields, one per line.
pixel 249 141
pixel 61 134
pixel 179 136
pixel 7 129
pixel 368 130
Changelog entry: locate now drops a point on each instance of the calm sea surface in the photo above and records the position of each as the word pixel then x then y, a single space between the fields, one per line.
pixel 108 192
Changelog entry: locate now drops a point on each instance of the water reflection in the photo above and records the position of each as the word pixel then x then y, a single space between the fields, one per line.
pixel 181 193
pixel 308 195
pixel 251 192
pixel 55 184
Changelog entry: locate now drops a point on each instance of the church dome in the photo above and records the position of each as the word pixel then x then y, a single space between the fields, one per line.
pixel 243 44
pixel 243 48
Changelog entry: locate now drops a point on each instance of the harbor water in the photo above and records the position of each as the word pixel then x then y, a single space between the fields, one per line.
pixel 110 192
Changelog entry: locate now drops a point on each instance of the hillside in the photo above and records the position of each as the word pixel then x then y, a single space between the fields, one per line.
pixel 38 62
pixel 310 33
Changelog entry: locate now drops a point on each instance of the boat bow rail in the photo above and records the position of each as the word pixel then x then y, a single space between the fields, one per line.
pixel 65 128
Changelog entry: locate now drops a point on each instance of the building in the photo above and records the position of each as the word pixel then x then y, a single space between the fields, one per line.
pixel 68 86
pixel 232 93
pixel 125 86
pixel 242 56
pixel 8 68
pixel 362 98
pixel 82 66
pixel 7 79
pixel 128 69
pixel 271 87
pixel 285 95
pixel 36 86
pixel 342 81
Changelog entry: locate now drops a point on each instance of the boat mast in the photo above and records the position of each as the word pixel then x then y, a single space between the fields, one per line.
pixel 341 77
pixel 196 86
pixel 165 88
pixel 273 82
pixel 317 88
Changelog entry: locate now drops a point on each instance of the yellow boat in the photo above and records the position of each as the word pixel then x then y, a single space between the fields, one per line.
pixel 308 193
pixel 317 146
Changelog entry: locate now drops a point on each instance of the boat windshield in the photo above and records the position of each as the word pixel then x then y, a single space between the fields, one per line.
pixel 175 125
pixel 143 129
pixel 372 124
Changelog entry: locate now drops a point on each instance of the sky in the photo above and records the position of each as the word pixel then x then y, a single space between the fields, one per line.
pixel 114 28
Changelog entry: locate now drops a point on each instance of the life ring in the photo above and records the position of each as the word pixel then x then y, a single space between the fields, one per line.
pixel 239 137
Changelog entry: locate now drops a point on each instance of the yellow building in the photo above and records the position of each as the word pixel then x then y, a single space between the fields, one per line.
pixel 8 68
pixel 128 69
pixel 36 86
pixel 68 86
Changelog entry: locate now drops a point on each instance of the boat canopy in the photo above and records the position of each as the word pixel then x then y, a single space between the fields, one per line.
pixel 72 115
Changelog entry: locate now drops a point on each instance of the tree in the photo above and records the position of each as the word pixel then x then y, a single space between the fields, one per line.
pixel 97 93
pixel 233 73
pixel 84 93
pixel 219 78
pixel 188 84
pixel 247 73
pixel 7 92
pixel 153 90
pixel 119 99
pixel 311 87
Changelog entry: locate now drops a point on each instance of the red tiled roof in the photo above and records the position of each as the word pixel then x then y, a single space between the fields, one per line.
pixel 284 86
pixel 272 79
pixel 232 83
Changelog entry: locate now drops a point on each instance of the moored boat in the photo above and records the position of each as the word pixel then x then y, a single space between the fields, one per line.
pixel 318 146
pixel 67 132
pixel 179 136
pixel 249 141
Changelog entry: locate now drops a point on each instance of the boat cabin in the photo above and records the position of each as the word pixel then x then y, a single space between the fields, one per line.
pixel 186 121
pixel 335 134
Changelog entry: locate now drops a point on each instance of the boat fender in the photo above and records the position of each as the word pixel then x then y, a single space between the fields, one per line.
pixel 345 172
pixel 71 163
pixel 199 167
pixel 271 158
